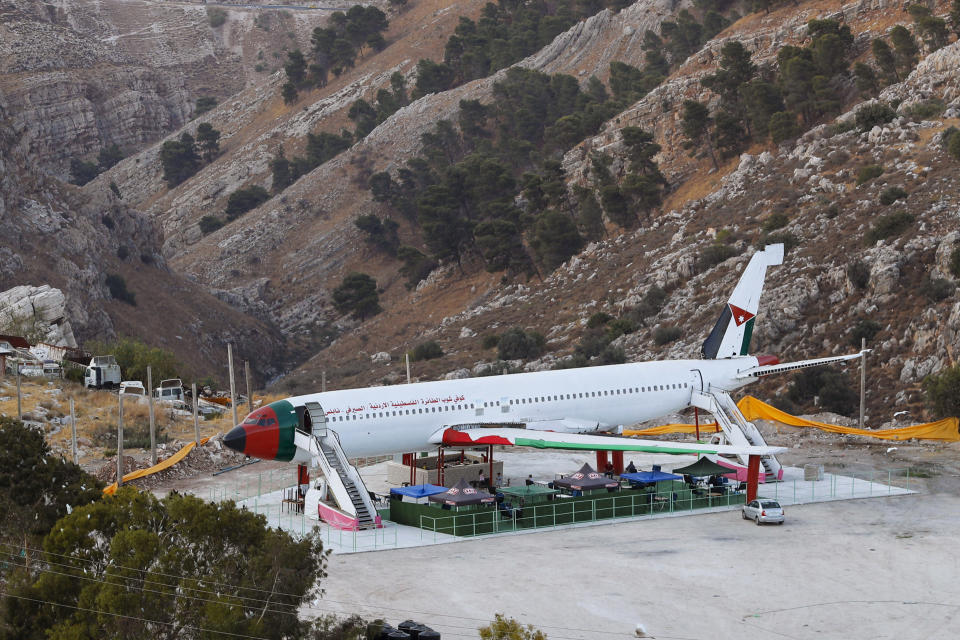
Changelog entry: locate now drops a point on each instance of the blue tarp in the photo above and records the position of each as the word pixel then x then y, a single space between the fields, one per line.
pixel 649 476
pixel 418 490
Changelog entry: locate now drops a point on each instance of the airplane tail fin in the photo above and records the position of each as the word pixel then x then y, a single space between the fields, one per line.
pixel 732 333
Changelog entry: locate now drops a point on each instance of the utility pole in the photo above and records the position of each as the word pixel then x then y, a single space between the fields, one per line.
pixel 233 386
pixel 407 356
pixel 153 424
pixel 246 374
pixel 323 381
pixel 196 419
pixel 19 410
pixel 120 442
pixel 863 378
pixel 73 430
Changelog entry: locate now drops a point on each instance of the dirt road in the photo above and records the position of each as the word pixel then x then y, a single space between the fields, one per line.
pixel 875 568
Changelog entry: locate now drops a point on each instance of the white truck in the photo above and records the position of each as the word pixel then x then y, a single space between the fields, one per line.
pixel 103 372
pixel 170 391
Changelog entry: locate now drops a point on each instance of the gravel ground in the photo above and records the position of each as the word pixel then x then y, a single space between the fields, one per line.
pixel 873 568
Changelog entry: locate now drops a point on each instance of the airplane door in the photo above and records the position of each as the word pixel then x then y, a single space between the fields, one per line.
pixel 696 381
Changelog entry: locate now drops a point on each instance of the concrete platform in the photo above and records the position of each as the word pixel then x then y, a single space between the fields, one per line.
pixel 793 490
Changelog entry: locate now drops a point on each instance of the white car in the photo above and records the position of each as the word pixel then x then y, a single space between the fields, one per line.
pixel 763 510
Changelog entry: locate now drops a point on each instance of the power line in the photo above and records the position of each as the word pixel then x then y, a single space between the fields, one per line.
pixel 162 593
pixel 257 601
pixel 119 615
pixel 158 573
pixel 310 607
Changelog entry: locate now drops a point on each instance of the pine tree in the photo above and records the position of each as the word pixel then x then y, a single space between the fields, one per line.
pixel 696 128
pixel 905 50
pixel 885 60
pixel 209 141
pixel 866 79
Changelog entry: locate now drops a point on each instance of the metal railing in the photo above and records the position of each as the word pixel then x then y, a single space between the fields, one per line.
pixel 562 512
pixel 298 525
pixel 866 484
pixel 241 488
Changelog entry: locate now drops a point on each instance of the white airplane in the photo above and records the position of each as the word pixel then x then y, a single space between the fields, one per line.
pixel 564 409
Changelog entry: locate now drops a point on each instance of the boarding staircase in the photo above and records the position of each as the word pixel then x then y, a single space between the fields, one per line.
pixel 736 428
pixel 344 483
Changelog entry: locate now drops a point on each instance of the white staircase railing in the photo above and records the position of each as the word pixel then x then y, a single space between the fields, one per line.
pixel 344 483
pixel 736 428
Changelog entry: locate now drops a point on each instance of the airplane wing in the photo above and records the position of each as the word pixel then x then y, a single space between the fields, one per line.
pixel 767 369
pixel 471 435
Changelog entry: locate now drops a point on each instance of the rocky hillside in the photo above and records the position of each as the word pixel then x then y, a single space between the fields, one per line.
pixel 55 235
pixel 865 256
pixel 79 76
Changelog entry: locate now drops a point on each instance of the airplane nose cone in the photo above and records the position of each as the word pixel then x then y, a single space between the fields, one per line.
pixel 236 439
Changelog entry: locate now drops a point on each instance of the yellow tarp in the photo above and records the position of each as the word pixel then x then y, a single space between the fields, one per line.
pixel 673 428
pixel 160 466
pixel 946 429
pixel 754 409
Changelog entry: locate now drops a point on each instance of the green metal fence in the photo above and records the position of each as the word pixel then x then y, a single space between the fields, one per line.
pixel 578 510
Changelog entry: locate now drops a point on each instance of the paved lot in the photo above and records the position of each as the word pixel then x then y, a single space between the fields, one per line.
pixel 873 568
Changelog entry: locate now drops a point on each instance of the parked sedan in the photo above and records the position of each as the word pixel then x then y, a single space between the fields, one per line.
pixel 762 511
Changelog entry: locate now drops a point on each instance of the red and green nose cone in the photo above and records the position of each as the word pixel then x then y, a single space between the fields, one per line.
pixel 267 433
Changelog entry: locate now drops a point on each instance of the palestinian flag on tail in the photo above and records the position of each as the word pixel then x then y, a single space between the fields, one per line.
pixel 731 335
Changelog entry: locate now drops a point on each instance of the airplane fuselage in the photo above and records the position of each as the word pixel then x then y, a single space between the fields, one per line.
pixel 401 418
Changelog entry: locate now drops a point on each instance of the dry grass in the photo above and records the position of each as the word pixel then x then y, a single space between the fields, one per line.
pixel 97 412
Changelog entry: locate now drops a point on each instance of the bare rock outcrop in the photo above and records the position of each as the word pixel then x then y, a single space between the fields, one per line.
pixel 42 309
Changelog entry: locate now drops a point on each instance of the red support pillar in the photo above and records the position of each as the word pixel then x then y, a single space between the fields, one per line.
pixel 601 461
pixel 617 462
pixel 409 459
pixel 490 458
pixel 753 473
pixel 696 417
pixel 440 467
pixel 303 474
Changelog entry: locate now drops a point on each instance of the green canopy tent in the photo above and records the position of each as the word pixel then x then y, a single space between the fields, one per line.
pixel 529 493
pixel 704 467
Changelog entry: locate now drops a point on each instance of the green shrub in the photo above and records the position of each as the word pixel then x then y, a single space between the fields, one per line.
pixel 869 172
pixel 926 109
pixel 134 356
pixel 426 351
pixel 892 224
pixel 666 335
pixel 953 145
pixel 955 262
pixel 517 344
pixel 489 341
pixel 942 391
pixel 216 16
pixel 243 200
pixel 357 295
pixel 651 304
pixel 715 254
pixel 119 291
pixel 859 274
pixel 789 240
pixel 874 114
pixel 892 194
pixel 937 289
pixel 73 375
pixel 204 104
pixel 598 320
pixel 209 224
pixel 783 126
pixel 864 329
pixel 830 385
pixel 777 220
